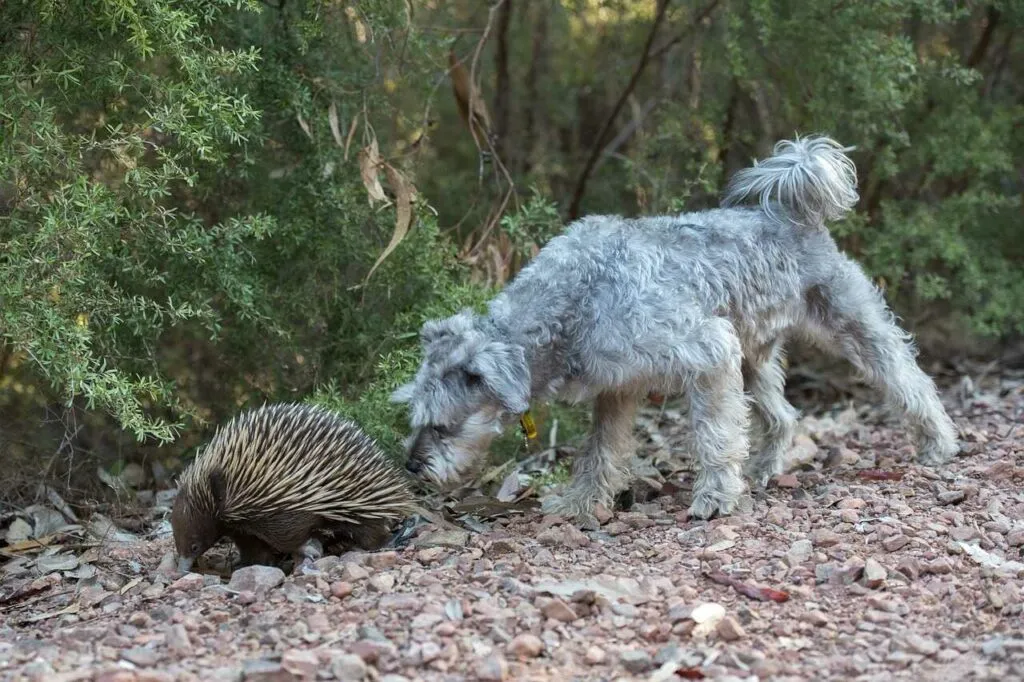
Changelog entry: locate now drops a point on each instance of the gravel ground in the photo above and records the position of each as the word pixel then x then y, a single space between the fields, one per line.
pixel 856 565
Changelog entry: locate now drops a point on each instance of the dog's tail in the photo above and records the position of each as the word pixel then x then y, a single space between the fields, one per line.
pixel 812 179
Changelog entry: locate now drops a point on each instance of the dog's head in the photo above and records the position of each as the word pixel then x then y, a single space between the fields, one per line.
pixel 468 388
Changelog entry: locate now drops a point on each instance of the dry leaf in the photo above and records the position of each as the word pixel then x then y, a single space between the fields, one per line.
pixel 74 608
pixel 753 591
pixel 304 125
pixel 403 190
pixel 332 117
pixel 466 97
pixel 351 134
pixel 369 162
pixel 130 584
pixel 360 27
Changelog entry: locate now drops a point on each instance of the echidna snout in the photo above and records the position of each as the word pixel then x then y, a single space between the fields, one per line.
pixel 195 531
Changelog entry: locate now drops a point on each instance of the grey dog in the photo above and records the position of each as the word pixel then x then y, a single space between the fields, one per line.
pixel 698 304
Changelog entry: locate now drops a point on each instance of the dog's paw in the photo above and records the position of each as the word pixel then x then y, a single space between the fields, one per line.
pixel 760 472
pixel 577 510
pixel 707 507
pixel 935 453
pixel 716 494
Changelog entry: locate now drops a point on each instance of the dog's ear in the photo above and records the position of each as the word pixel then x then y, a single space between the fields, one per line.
pixel 403 393
pixel 434 330
pixel 502 370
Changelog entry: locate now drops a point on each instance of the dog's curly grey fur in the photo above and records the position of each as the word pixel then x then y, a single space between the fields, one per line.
pixel 698 304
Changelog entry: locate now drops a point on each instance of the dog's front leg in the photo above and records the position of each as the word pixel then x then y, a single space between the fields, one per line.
pixel 720 421
pixel 603 468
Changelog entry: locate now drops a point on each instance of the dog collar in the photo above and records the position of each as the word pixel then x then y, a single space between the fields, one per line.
pixel 529 428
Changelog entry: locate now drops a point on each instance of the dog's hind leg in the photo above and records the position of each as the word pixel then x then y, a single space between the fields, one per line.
pixel 773 417
pixel 719 413
pixel 603 468
pixel 850 316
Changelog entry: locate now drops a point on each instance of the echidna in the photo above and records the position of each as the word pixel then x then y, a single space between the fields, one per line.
pixel 280 475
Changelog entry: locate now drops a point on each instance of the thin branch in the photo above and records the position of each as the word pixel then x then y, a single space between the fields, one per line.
pixel 503 80
pixel 704 14
pixel 595 152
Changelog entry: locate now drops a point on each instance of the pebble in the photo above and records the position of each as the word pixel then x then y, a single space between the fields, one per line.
pixel 787 481
pixel 823 537
pixel 455 537
pixel 558 610
pixel 260 670
pixel 430 554
pixel 188 582
pixel 141 656
pixel 257 579
pixel 921 645
pixel 951 497
pixel 874 574
pixel 178 640
pixel 895 542
pixel 595 655
pixel 349 667
pixel 302 663
pixel 383 583
pixel 636 661
pixel 1015 538
pixel 730 629
pixel 851 503
pixel 494 668
pixel 380 560
pixel 816 618
pixel 341 589
pixel 526 645
pixel 799 552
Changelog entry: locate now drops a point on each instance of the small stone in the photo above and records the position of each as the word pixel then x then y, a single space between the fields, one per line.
pixel 595 655
pixel 1015 538
pixel 188 582
pixel 951 497
pixel 382 583
pixel 921 645
pixel 787 481
pixel 261 670
pixel 430 555
pixel 160 676
pixel 849 516
pixel 799 552
pixel 341 589
pixel 730 630
pixel 303 664
pixel 602 514
pixel 559 610
pixel 371 650
pixel 352 572
pixel 526 645
pixel 380 560
pixel 707 616
pixel 909 567
pixel 141 656
pixel 851 503
pixel 177 639
pixel 349 667
pixel 822 537
pixel 816 618
pixel 456 538
pixel 246 597
pixel 257 579
pixel 874 574
pixel 494 668
pixel 895 542
pixel 636 661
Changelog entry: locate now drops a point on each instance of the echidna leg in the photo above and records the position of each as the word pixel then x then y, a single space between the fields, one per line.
pixel 253 551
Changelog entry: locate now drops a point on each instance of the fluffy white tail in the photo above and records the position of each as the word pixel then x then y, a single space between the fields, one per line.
pixel 811 178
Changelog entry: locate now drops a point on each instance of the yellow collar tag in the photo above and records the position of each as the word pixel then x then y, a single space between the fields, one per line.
pixel 529 428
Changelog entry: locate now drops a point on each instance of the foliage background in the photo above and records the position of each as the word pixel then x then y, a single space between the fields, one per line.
pixel 193 195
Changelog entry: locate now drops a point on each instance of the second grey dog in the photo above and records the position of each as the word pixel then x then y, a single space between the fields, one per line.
pixel 699 304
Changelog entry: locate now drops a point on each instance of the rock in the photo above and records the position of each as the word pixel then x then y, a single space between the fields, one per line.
pixel 526 645
pixel 341 589
pixel 595 655
pixel 178 641
pixel 188 582
pixel 383 583
pixel 636 661
pixel 895 542
pixel 260 670
pixel 349 667
pixel 1015 538
pixel 371 650
pixel 141 656
pixel 133 475
pixel 921 645
pixel 851 503
pixel 256 579
pixel 442 538
pixel 602 514
pixel 874 574
pixel 730 630
pixel 802 451
pixel 787 481
pixel 816 618
pixel 799 552
pixel 849 516
pixel 909 567
pixel 353 572
pixel 494 668
pixel 951 497
pixel 558 610
pixel 823 537
pixel 707 616
pixel 430 555
pixel 303 664
pixel 160 676
pixel 380 560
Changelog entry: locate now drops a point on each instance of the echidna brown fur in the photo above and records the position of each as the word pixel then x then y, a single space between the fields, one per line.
pixel 276 476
